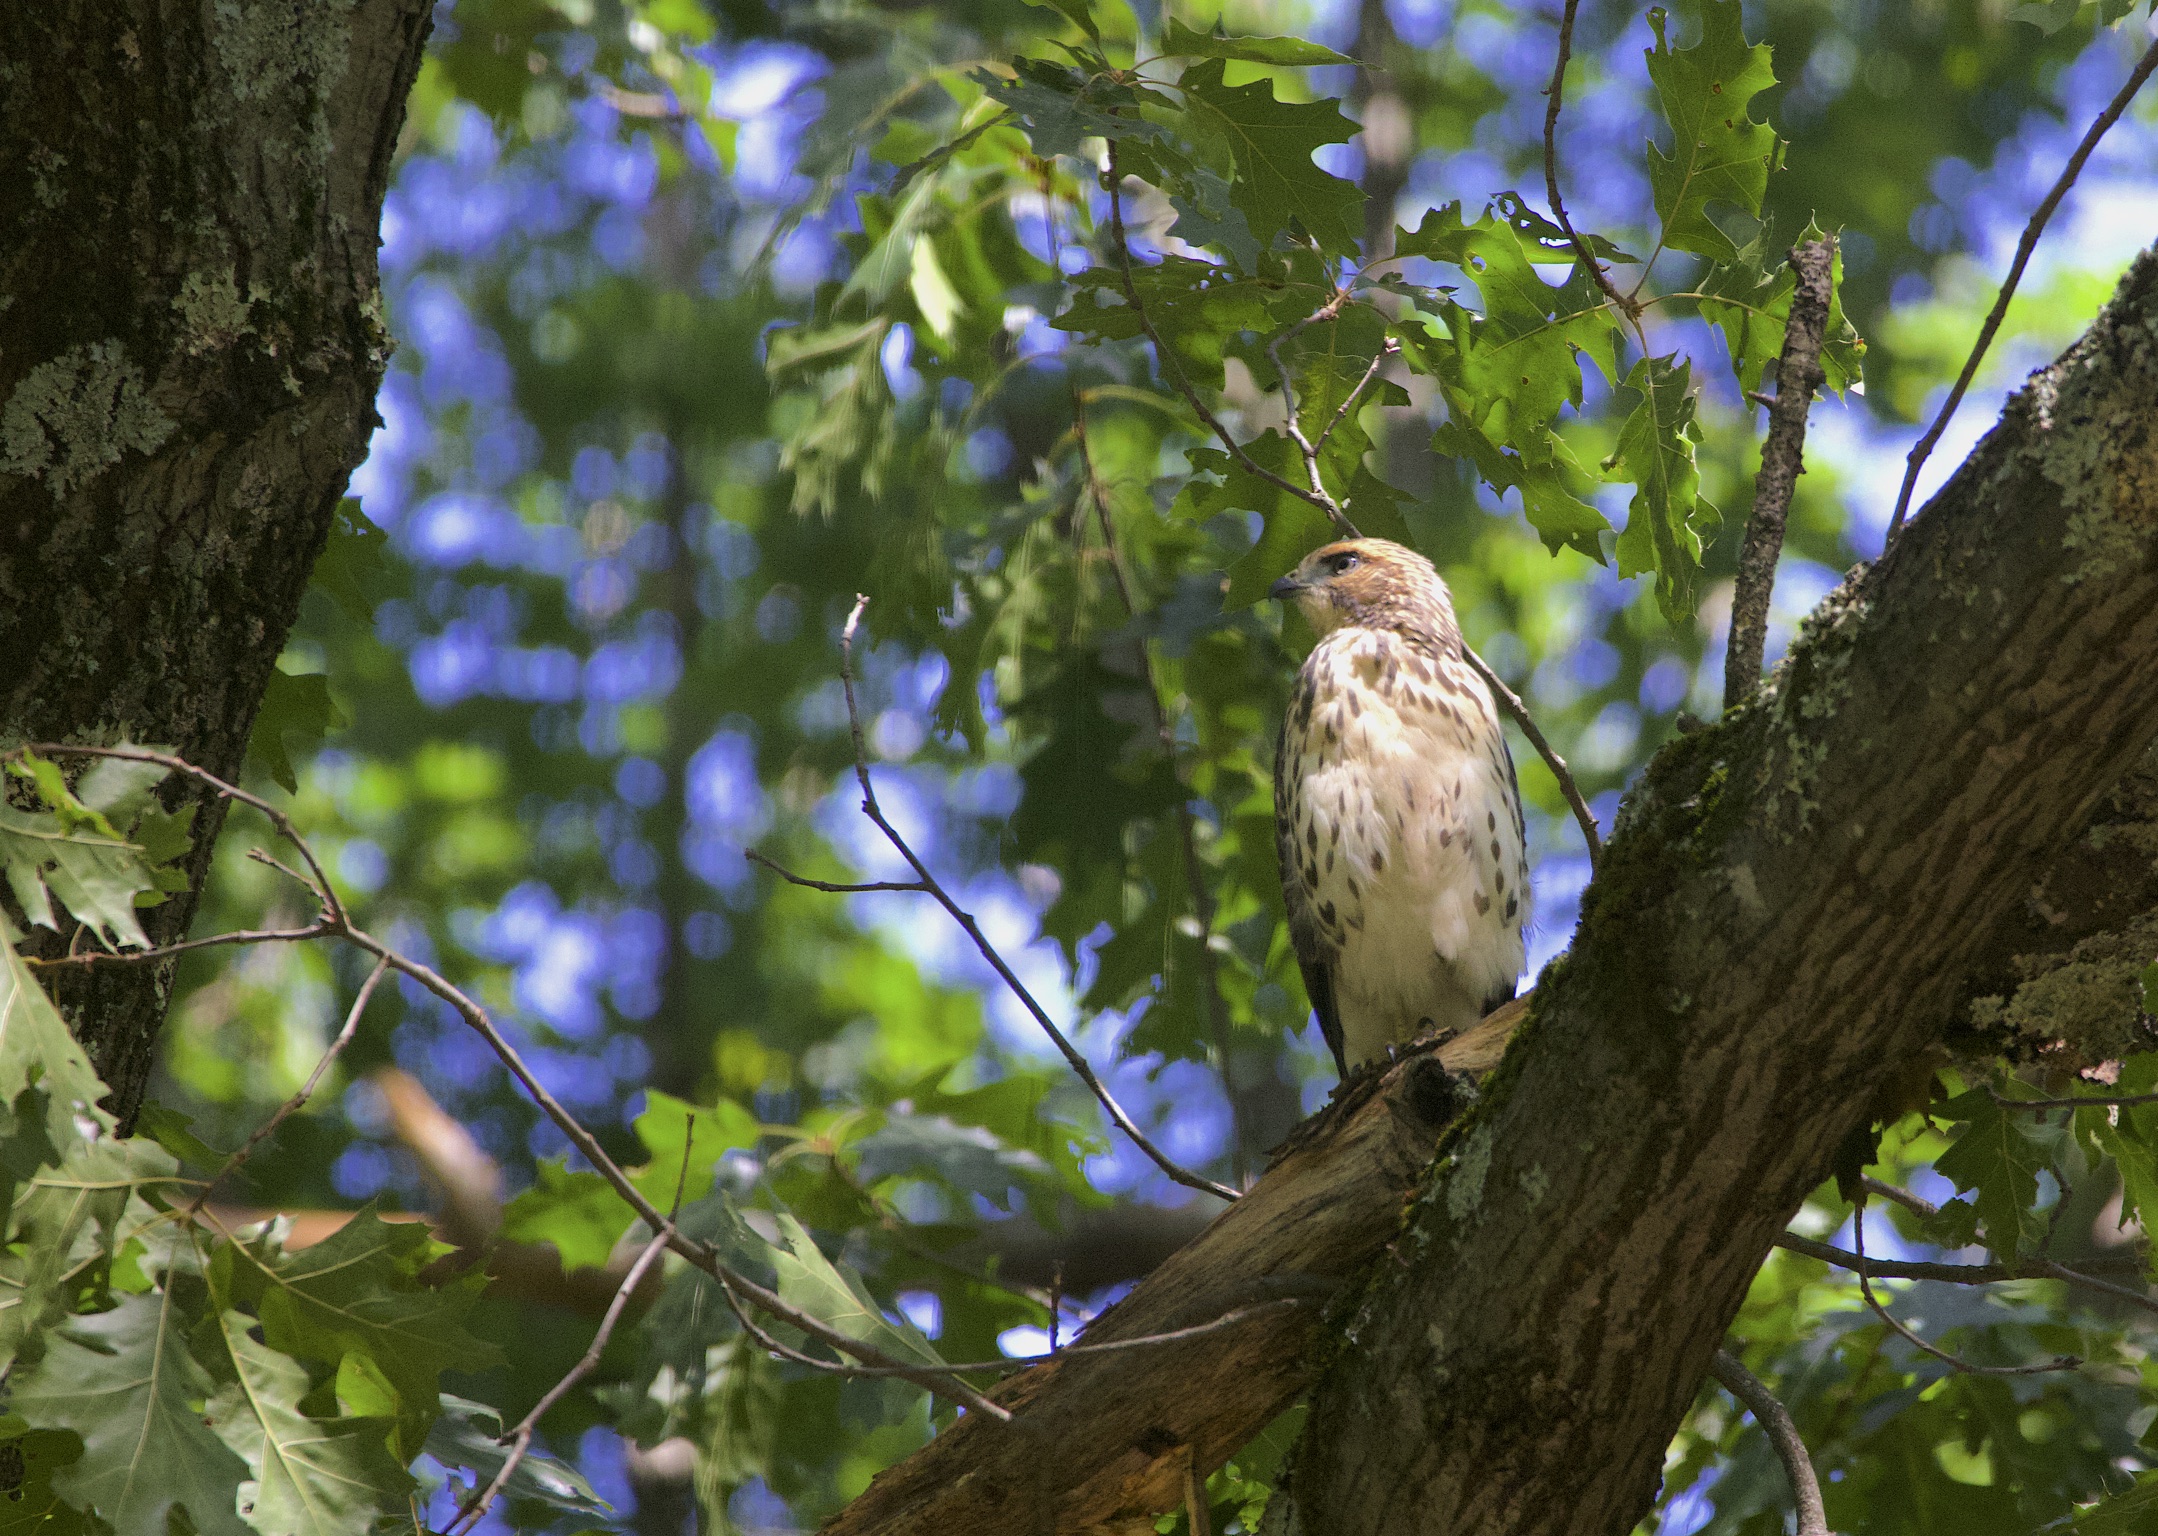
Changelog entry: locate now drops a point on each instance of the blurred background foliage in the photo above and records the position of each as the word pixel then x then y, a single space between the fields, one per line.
pixel 688 357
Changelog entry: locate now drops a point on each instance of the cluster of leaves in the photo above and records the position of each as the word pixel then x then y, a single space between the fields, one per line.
pixel 1262 264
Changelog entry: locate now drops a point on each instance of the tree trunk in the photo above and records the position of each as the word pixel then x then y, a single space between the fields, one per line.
pixel 1921 830
pixel 1787 916
pixel 191 338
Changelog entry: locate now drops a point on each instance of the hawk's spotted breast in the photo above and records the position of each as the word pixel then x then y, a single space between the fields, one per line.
pixel 1395 808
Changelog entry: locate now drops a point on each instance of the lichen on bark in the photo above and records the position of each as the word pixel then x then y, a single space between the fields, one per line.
pixel 190 343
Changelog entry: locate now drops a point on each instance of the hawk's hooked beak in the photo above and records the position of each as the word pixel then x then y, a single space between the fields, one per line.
pixel 1285 588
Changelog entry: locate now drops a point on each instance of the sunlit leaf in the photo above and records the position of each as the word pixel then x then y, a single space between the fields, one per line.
pixel 1718 153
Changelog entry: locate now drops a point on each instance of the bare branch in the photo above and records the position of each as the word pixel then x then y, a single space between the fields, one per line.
pixel 1555 95
pixel 1173 370
pixel 1917 1205
pixel 2082 1101
pixel 1219 1324
pixel 519 1439
pixel 1921 449
pixel 1391 348
pixel 836 888
pixel 1865 1289
pixel 336 922
pixel 1798 375
pixel 965 919
pixel 1971 1274
pixel 1511 703
pixel 91 957
pixel 1775 1422
pixel 292 1106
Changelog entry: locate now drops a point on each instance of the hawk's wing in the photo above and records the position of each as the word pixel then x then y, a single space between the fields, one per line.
pixel 1315 956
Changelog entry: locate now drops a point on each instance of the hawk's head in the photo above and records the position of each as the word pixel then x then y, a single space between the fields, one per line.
pixel 1373 584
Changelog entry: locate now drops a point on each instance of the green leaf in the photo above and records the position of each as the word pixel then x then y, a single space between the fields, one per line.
pixel 356 1291
pixel 1061 107
pixel 1182 41
pixel 1196 308
pixel 37 1050
pixel 170 1130
pixel 668 1127
pixel 296 713
pixel 1718 153
pixel 835 1297
pixel 67 1226
pixel 98 876
pixel 1996 1161
pixel 579 1213
pixel 1667 518
pixel 1752 305
pixel 469 1435
pixel 125 1382
pixel 1277 187
pixel 353 566
pixel 1078 12
pixel 30 1507
pixel 312 1477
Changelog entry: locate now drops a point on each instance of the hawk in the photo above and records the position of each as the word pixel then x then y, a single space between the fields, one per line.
pixel 1396 811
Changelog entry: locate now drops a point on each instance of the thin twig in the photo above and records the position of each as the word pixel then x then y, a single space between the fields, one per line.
pixel 1305 448
pixel 965 919
pixel 1389 349
pixel 1775 1422
pixel 93 957
pixel 1510 701
pixel 292 1106
pixel 338 923
pixel 1219 1324
pixel 1173 369
pixel 520 1439
pixel 1555 97
pixel 1798 375
pixel 1865 1289
pixel 1202 900
pixel 833 887
pixel 1917 1205
pixel 2087 1101
pixel 1970 1274
pixel 2031 231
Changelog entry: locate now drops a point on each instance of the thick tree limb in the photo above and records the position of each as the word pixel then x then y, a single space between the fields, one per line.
pixel 1785 919
pixel 1798 904
pixel 1100 1438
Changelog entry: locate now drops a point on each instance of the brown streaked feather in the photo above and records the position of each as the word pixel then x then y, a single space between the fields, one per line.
pixel 1315 955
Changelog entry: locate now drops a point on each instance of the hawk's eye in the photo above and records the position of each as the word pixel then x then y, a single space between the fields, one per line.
pixel 1343 562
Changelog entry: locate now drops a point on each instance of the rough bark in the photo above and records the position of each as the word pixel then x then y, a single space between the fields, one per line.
pixel 190 342
pixel 1102 1440
pixel 1786 916
pixel 1926 810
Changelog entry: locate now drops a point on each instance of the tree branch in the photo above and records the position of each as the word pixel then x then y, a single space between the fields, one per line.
pixel 1554 103
pixel 1798 375
pixel 1126 1427
pixel 934 889
pixel 1775 1422
pixel 1923 448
